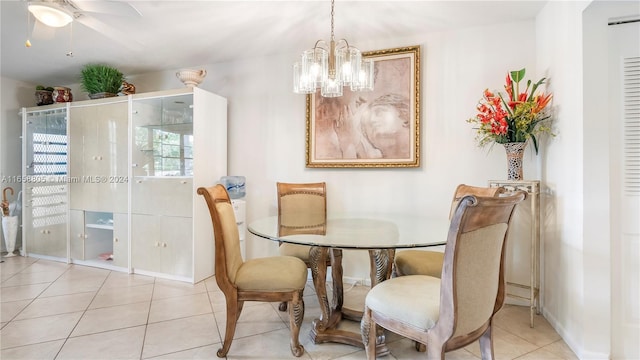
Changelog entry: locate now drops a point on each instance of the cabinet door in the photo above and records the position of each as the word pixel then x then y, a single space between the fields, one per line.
pixel 163 136
pixel 177 246
pixel 162 196
pixel 99 138
pixel 45 220
pixel 146 233
pixel 49 240
pixel 162 244
pixel 120 240
pixel 46 142
pixel 77 235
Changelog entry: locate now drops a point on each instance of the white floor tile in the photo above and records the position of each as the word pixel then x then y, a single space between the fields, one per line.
pixel 52 310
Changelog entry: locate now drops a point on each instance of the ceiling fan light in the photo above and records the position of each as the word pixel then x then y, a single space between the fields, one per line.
pixel 50 15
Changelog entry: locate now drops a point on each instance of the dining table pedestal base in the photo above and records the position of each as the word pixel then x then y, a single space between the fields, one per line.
pixel 333 324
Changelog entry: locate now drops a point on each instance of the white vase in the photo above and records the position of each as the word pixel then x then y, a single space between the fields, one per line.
pixel 10 231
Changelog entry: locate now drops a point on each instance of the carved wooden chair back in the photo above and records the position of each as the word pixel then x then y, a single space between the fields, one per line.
pixel 302 208
pixel 426 262
pixel 271 279
pixel 456 310
pixel 463 190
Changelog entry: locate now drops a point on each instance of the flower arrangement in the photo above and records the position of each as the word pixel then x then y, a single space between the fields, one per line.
pixel 517 118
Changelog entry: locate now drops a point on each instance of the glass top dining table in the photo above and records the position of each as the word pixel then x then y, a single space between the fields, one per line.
pixel 379 234
pixel 363 231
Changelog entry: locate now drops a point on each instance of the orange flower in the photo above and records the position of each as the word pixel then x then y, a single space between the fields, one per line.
pixel 541 102
pixel 515 116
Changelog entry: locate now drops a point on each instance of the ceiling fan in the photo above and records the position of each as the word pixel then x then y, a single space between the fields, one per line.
pixel 51 14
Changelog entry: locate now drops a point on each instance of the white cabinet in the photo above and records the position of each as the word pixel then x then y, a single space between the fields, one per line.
pixel 98 186
pixel 179 142
pixel 44 170
pixel 163 245
pixel 99 238
pixel 121 240
pixel 125 197
pixel 98 154
pixel 45 221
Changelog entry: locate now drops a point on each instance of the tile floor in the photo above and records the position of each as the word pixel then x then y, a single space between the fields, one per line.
pixel 53 310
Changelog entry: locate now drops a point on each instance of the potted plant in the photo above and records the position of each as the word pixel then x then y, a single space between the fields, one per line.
pixel 101 80
pixel 44 95
pixel 513 120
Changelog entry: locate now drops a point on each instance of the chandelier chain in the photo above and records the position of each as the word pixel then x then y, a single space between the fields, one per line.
pixel 332 5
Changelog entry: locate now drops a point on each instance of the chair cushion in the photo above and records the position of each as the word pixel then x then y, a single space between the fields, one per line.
pixel 276 273
pixel 295 250
pixel 417 262
pixel 413 300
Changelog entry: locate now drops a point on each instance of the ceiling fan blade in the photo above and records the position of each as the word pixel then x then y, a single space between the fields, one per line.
pixel 117 8
pixel 108 31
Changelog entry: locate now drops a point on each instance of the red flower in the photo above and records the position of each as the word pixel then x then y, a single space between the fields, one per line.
pixel 509 87
pixel 513 116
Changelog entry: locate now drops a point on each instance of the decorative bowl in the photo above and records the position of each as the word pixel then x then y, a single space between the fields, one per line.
pixel 44 97
pixel 62 94
pixel 191 77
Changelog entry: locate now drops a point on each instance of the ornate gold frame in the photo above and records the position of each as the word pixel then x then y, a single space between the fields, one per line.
pixel 399 78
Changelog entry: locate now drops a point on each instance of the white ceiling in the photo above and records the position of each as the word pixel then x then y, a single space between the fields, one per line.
pixel 177 34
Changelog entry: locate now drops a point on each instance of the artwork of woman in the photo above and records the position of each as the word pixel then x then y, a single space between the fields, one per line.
pixel 375 130
pixel 360 126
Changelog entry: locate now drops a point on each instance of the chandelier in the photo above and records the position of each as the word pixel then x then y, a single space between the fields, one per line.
pixel 330 67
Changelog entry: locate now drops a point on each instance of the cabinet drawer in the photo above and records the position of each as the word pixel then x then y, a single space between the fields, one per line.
pixel 162 196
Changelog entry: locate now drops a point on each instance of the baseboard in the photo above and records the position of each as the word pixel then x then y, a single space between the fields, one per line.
pixel 571 341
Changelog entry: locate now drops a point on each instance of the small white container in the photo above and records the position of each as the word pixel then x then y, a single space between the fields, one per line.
pixel 191 77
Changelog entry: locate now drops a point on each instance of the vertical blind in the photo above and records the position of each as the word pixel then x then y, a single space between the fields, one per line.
pixel 631 114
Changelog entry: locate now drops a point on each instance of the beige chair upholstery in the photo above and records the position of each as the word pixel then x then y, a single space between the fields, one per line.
pixel 419 262
pixel 271 279
pixel 452 312
pixel 302 209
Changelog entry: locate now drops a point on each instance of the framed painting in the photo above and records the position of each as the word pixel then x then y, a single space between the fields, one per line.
pixel 372 129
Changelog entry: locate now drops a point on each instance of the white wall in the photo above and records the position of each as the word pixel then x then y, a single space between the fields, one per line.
pixel 559 56
pixel 572 49
pixel 13 95
pixel 267 128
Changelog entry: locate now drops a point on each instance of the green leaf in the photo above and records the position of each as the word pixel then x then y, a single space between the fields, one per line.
pixel 518 75
pixel 535 143
pixel 535 86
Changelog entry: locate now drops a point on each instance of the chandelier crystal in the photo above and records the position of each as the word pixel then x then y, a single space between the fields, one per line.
pixel 330 67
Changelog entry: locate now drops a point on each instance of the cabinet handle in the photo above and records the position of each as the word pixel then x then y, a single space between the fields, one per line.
pixel 139 181
pixel 79 236
pixel 183 181
pixel 86 236
pixel 115 239
pixel 157 244
pixel 99 157
pixel 134 165
pixel 164 244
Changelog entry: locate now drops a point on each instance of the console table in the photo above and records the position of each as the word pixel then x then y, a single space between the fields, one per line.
pixel 532 188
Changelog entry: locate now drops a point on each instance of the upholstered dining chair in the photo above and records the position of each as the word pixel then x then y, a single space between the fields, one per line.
pixel 419 262
pixel 458 309
pixel 269 279
pixel 302 209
